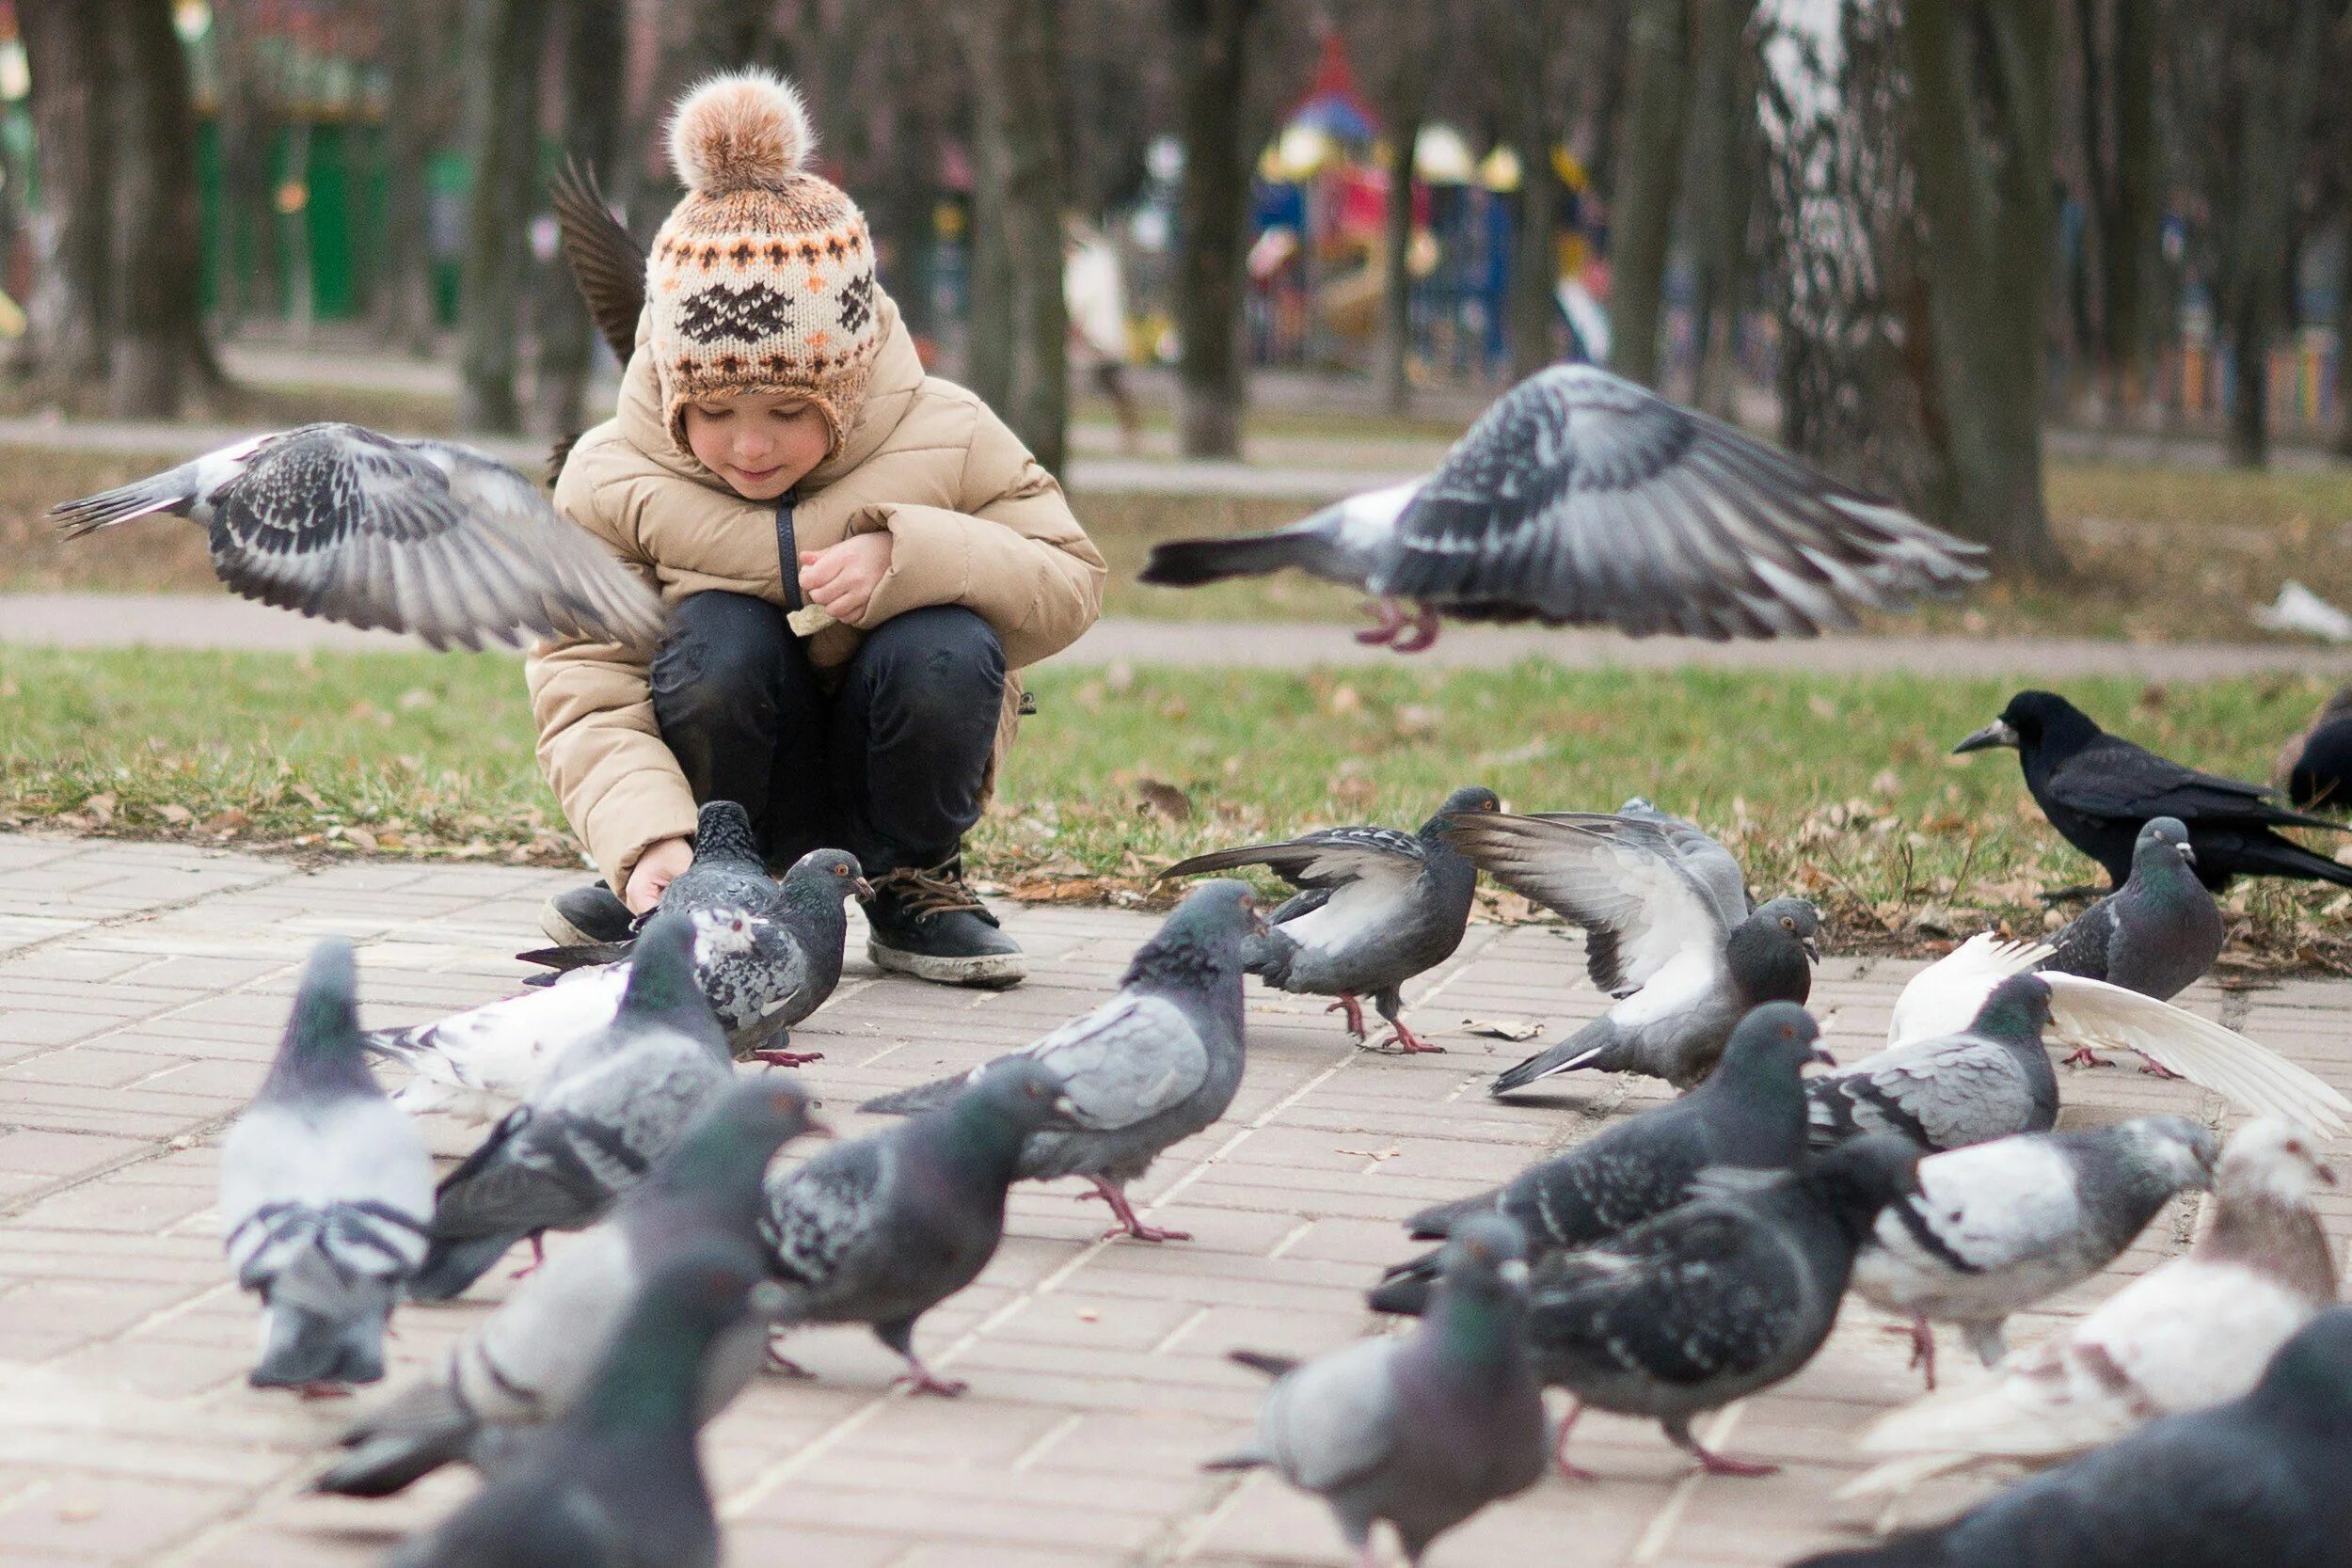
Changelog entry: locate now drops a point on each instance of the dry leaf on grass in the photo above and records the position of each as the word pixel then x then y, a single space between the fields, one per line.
pixel 1502 1028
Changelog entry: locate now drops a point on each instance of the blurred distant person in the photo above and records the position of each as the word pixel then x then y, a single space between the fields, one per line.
pixel 1094 292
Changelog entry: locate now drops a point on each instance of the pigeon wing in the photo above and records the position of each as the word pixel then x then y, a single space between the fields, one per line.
pixel 1322 860
pixel 1943 999
pixel 2085 1012
pixel 1580 497
pixel 1940 1094
pixel 605 260
pixel 1127 1061
pixel 1332 1420
pixel 1693 1295
pixel 817 1212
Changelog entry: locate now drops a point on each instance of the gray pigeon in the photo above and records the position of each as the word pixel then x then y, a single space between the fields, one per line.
pixel 2158 933
pixel 372 530
pixel 528 1362
pixel 1988 1081
pixel 608 1108
pixel 1375 908
pixel 1581 498
pixel 617 1483
pixel 1711 866
pixel 1421 1430
pixel 2258 1480
pixel 881 1230
pixel 1999 1226
pixel 1148 1069
pixel 1747 1120
pixel 1711 1302
pixel 326 1192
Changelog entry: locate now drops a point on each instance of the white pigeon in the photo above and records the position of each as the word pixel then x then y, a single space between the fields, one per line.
pixel 2088 1016
pixel 2195 1332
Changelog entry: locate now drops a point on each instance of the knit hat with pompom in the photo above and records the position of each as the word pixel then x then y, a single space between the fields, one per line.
pixel 762 279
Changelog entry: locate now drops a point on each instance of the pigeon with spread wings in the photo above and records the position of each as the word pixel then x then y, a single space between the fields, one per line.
pixel 1581 498
pixel 372 530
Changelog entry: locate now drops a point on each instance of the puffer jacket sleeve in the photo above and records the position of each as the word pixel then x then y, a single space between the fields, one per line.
pixel 599 747
pixel 1014 552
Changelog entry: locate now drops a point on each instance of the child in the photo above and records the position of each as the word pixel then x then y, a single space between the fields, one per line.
pixel 858 559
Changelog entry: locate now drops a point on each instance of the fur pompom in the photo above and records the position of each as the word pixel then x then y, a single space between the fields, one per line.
pixel 742 130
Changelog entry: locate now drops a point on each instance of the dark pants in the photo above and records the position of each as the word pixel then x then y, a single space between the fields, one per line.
pixel 889 766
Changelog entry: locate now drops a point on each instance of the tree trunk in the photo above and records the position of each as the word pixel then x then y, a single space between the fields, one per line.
pixel 1406 100
pixel 413 60
pixel 2128 228
pixel 1648 165
pixel 593 51
pixel 1986 207
pixel 1535 259
pixel 158 340
pixel 73 89
pixel 1721 177
pixel 502 38
pixel 1212 217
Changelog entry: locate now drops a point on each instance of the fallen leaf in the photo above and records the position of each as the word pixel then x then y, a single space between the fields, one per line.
pixel 1371 1153
pixel 101 807
pixel 1502 1028
pixel 361 838
pixel 1344 700
pixel 1159 795
pixel 178 816
pixel 317 802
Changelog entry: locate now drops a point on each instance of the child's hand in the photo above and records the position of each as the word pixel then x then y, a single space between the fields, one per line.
pixel 841 579
pixel 656 869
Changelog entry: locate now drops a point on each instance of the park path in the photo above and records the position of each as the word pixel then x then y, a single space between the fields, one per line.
pixel 142 989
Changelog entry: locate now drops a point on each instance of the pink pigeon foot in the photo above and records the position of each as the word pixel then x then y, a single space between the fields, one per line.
pixel 308 1391
pixel 921 1380
pixel 2158 1069
pixel 538 1257
pixel 1354 1014
pixel 1424 632
pixel 2084 1057
pixel 1390 618
pixel 1407 1043
pixel 785 1058
pixel 1128 1224
pixel 1560 1449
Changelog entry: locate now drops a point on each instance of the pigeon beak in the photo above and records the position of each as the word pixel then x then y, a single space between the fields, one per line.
pixel 1513 1270
pixel 2327 1175
pixel 2189 852
pixel 863 888
pixel 1823 1057
pixel 1813 948
pixel 1065 1107
pixel 1997 733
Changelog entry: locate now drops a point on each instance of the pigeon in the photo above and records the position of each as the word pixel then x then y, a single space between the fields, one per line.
pixel 2158 933
pixel 1152 1065
pixel 2318 762
pixel 1999 1226
pixel 2188 1334
pixel 1747 1121
pixel 325 1192
pixel 419 536
pixel 528 1363
pixel 2089 1016
pixel 1712 866
pixel 1711 1302
pixel 881 1230
pixel 618 1482
pixel 1375 908
pixel 610 1106
pixel 2258 1480
pixel 1424 1429
pixel 2098 790
pixel 1986 1079
pixel 1581 498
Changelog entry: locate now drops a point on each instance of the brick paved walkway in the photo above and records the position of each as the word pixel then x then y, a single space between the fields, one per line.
pixel 142 988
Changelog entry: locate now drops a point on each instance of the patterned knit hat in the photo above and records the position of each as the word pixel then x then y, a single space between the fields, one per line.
pixel 762 279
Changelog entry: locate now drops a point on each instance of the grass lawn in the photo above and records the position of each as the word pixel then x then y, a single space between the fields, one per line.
pixel 1836 788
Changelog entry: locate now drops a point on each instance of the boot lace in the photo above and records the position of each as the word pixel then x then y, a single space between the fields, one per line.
pixel 938 890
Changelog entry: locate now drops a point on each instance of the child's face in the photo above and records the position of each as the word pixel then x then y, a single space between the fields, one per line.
pixel 761 443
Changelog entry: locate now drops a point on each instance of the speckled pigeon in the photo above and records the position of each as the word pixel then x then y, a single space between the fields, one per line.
pixel 528 1363
pixel 2158 933
pixel 1581 498
pixel 374 530
pixel 1997 1226
pixel 2258 1480
pixel 617 1483
pixel 1424 1429
pixel 1985 1080
pixel 1154 1064
pixel 1711 1302
pixel 608 1108
pixel 1747 1120
pixel 1375 908
pixel 881 1230
pixel 326 1194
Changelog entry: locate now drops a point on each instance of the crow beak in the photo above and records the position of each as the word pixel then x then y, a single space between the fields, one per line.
pixel 863 888
pixel 1997 733
pixel 1823 1057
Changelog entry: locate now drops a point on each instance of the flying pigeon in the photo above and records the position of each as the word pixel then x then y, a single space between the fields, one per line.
pixel 1581 498
pixel 2318 762
pixel 1711 1302
pixel 1745 1122
pixel 881 1230
pixel 610 1106
pixel 528 1363
pixel 2258 1480
pixel 1424 1429
pixel 325 1192
pixel 2098 790
pixel 2158 933
pixel 2088 1016
pixel 1375 908
pixel 2188 1334
pixel 372 530
pixel 1148 1069
pixel 618 1482
pixel 1999 1226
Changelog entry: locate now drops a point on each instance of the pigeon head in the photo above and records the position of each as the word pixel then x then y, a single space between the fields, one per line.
pixel 1770 954
pixel 1857 1179
pixel 2033 718
pixel 723 832
pixel 1475 1309
pixel 834 873
pixel 2162 840
pixel 2310 1378
pixel 727 1148
pixel 2271 1160
pixel 2016 1012
pixel 1022 1093
pixel 662 984
pixel 1772 1045
pixel 650 1377
pixel 1485 1243
pixel 1204 934
pixel 321 1054
pixel 2183 1153
pixel 1466 801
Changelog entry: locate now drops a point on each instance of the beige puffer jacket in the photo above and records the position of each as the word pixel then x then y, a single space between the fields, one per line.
pixel 976 521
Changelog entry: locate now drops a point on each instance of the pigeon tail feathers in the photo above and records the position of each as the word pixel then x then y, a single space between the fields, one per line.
pixel 1186 563
pixel 1586 1048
